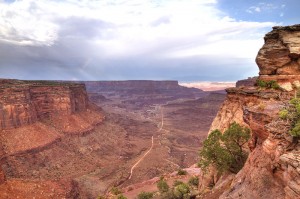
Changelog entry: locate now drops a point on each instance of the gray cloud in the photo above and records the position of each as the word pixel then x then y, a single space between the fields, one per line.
pixel 91 47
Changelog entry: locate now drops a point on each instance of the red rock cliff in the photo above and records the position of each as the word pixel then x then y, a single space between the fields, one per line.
pixel 25 102
pixel 272 169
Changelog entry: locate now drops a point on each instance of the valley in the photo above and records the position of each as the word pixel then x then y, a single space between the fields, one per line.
pixel 117 137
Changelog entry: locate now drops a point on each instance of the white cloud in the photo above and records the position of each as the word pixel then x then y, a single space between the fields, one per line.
pixel 106 30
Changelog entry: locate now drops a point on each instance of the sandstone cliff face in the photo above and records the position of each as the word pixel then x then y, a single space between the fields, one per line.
pixel 25 102
pixel 272 169
pixel 36 117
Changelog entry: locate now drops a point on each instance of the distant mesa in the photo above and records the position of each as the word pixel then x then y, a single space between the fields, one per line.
pixel 250 81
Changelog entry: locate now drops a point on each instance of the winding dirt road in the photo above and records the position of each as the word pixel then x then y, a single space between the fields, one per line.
pixel 142 158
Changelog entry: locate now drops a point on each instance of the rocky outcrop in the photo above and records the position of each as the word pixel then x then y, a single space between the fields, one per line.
pixel 250 81
pixel 281 52
pixel 273 162
pixel 25 102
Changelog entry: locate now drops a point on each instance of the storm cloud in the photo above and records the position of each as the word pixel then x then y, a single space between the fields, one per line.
pixel 100 40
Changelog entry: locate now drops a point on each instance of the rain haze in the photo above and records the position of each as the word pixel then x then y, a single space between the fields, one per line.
pixel 185 40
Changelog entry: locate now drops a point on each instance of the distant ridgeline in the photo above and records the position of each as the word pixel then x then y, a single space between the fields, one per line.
pixel 141 87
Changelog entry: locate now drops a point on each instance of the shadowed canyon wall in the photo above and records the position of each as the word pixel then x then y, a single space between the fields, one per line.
pixel 25 102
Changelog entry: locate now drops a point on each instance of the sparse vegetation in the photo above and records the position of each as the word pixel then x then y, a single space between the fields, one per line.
pixel 121 196
pixel 115 191
pixel 292 114
pixel 182 191
pixel 225 151
pixel 162 186
pixel 194 181
pixel 267 84
pixel 145 195
pixel 283 114
pixel 177 182
pixel 181 172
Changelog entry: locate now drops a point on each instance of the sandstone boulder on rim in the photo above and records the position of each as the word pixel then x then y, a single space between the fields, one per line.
pixel 280 55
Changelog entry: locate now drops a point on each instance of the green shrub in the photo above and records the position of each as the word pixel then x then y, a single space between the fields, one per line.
pixel 120 196
pixel 181 172
pixel 182 191
pixel 261 83
pixel 283 114
pixel 267 84
pixel 292 113
pixel 273 84
pixel 162 186
pixel 177 182
pixel 225 151
pixel 115 191
pixel 194 181
pixel 168 195
pixel 295 131
pixel 145 195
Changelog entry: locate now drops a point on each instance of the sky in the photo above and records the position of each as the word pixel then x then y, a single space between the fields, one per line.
pixel 185 40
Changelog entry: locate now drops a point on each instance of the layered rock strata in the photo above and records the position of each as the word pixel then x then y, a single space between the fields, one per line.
pixel 35 118
pixel 272 169
pixel 26 102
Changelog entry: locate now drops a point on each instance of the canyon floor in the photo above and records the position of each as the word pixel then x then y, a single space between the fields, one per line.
pixel 122 139
pixel 177 126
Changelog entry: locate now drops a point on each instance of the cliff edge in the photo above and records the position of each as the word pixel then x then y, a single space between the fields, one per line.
pixel 272 169
pixel 36 116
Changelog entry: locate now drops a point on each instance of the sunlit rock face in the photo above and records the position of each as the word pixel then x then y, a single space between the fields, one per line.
pixel 281 52
pixel 273 166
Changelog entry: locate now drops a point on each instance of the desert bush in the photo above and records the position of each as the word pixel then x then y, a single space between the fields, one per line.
pixel 292 114
pixel 120 196
pixel 162 186
pixel 145 195
pixel 177 182
pixel 261 83
pixel 181 172
pixel 225 151
pixel 273 84
pixel 267 84
pixel 194 181
pixel 115 191
pixel 168 195
pixel 295 131
pixel 283 114
pixel 182 191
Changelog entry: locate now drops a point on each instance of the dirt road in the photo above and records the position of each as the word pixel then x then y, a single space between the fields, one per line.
pixel 142 158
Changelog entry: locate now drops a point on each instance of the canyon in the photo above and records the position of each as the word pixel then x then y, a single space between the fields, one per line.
pixel 64 139
pixel 78 139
